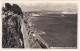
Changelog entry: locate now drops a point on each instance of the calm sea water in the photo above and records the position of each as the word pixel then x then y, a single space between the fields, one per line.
pixel 59 31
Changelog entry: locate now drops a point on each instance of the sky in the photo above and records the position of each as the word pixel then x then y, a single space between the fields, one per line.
pixel 49 6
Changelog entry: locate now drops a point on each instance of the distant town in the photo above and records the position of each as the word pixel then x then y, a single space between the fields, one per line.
pixel 49 13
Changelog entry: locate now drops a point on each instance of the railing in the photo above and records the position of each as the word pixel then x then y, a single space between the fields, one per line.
pixel 31 38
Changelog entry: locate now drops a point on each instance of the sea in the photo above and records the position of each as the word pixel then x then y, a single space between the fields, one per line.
pixel 59 31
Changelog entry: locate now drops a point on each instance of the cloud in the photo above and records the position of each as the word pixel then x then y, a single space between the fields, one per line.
pixel 52 7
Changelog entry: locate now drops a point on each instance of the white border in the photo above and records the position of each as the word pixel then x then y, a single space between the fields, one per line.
pixel 40 49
